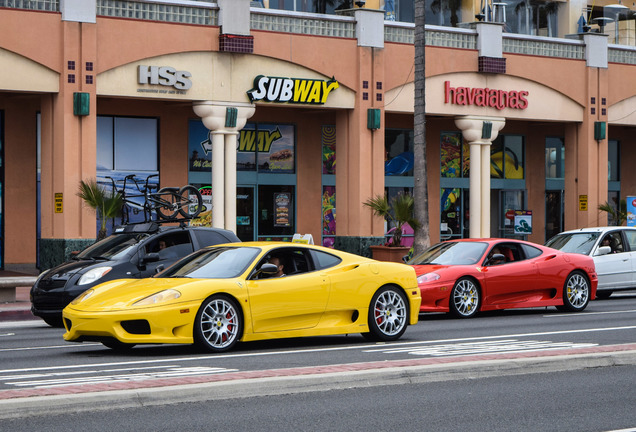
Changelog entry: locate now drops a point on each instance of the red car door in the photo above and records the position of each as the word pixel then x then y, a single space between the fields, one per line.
pixel 512 282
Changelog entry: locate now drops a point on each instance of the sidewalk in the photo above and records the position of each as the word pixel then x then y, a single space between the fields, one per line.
pixel 20 309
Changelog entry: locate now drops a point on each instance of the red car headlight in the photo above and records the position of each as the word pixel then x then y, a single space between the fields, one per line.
pixel 428 277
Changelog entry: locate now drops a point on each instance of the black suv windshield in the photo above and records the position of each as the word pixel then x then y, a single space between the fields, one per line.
pixel 580 242
pixel 212 263
pixel 111 246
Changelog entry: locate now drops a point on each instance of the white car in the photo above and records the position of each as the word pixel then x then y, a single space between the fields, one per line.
pixel 613 249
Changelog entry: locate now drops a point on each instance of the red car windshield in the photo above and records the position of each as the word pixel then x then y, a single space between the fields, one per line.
pixel 451 253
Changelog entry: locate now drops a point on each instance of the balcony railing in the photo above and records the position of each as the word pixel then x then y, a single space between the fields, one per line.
pixel 38 5
pixel 624 55
pixel 183 12
pixel 203 12
pixel 302 23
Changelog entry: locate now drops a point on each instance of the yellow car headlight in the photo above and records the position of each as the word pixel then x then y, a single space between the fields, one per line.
pixel 160 297
pixel 83 296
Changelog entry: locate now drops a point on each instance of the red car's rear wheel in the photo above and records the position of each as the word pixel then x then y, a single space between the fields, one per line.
pixel 576 292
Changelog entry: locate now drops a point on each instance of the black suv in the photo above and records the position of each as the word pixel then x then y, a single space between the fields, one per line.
pixel 133 251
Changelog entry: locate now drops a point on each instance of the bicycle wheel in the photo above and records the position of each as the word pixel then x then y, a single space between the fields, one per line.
pixel 190 202
pixel 169 206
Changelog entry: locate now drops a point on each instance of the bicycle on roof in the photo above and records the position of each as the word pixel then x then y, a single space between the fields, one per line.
pixel 167 202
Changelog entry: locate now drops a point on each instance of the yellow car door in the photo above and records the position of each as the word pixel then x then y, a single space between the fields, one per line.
pixel 288 303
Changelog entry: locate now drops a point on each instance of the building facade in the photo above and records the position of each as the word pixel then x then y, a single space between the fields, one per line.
pixel 280 117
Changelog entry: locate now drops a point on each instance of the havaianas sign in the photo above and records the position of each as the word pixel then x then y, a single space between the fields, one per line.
pixel 485 97
pixel 291 90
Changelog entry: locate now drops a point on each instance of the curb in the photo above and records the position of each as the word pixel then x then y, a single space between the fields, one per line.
pixel 20 403
pixel 12 313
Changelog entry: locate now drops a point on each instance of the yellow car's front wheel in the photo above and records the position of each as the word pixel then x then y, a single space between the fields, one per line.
pixel 388 315
pixel 218 324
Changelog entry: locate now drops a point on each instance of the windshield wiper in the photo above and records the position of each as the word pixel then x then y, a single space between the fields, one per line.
pixel 180 276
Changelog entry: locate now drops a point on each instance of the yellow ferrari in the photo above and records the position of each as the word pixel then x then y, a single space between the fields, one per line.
pixel 224 294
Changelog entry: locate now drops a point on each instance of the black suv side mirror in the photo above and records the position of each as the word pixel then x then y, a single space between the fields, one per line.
pixel 150 257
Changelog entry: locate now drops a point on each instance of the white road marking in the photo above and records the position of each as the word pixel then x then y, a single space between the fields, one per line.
pixel 573 315
pixel 55 380
pixel 472 348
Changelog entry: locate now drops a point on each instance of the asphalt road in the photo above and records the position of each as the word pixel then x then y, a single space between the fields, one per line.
pixel 481 371
pixel 580 400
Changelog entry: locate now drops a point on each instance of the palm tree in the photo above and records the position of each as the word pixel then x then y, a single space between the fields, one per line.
pixel 422 238
pixel 399 211
pixel 617 215
pixel 107 205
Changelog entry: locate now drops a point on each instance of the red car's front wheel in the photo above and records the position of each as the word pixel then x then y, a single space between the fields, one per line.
pixel 465 298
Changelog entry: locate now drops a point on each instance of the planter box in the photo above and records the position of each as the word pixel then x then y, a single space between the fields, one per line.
pixel 389 253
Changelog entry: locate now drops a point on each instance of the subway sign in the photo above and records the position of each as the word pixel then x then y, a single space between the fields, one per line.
pixel 291 90
pixel 485 97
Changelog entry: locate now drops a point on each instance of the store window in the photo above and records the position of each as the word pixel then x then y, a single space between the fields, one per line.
pixel 455 156
pixel 125 146
pixel 399 157
pixel 507 157
pixel 2 189
pixel 613 178
pixel 266 179
pixel 455 173
pixel 270 148
pixel 398 171
pixel 554 186
pixel 554 158
pixel 276 212
pixel 328 185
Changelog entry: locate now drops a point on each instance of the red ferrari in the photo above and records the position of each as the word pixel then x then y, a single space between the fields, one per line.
pixel 471 275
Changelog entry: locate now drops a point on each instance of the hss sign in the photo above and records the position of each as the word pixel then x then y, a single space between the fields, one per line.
pixel 165 76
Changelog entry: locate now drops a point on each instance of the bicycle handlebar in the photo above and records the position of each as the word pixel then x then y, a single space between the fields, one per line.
pixel 147 186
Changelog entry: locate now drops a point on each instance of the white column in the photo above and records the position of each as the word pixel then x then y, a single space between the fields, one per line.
pixel 475 195
pixel 485 190
pixel 213 114
pixel 230 181
pixel 218 179
pixel 479 202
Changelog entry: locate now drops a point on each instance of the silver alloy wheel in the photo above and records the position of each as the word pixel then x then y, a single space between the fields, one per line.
pixel 465 297
pixel 389 312
pixel 219 323
pixel 577 290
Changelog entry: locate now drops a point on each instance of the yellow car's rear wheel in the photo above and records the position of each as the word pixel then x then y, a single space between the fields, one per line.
pixel 218 325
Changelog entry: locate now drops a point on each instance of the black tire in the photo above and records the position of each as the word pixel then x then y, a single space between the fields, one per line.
pixel 167 211
pixel 465 298
pixel 116 345
pixel 190 202
pixel 576 292
pixel 602 295
pixel 218 325
pixel 388 315
pixel 54 322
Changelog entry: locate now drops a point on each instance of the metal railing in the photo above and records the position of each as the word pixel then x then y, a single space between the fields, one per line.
pixel 302 23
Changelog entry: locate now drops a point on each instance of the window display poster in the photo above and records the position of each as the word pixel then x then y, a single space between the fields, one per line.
pixel 328 150
pixel 199 147
pixel 282 202
pixel 631 210
pixel 205 217
pixel 451 154
pixel 273 146
pixel 328 215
